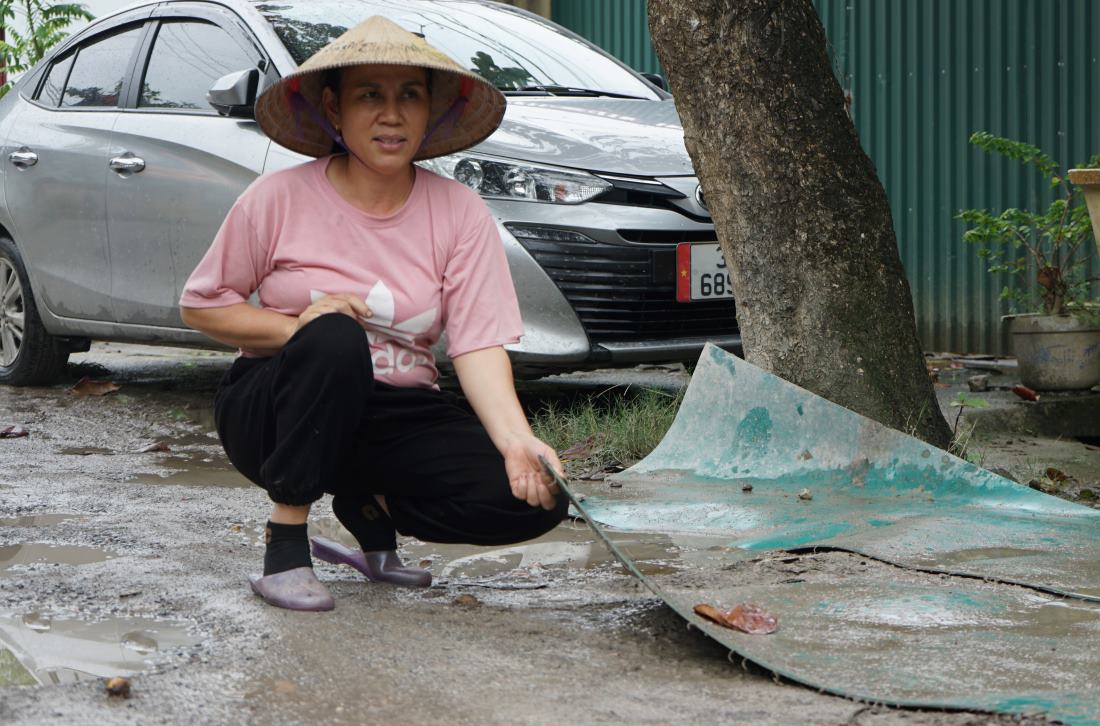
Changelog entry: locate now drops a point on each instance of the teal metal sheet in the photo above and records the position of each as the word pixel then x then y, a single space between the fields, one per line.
pixel 1007 623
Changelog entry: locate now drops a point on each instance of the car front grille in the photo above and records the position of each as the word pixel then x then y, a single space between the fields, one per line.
pixel 623 293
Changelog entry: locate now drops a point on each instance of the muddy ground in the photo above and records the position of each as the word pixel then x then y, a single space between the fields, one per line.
pixel 116 561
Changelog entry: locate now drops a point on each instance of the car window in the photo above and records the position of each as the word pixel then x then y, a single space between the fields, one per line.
pixel 99 70
pixel 188 56
pixel 50 95
pixel 513 51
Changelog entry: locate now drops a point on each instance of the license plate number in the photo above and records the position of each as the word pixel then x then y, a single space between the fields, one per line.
pixel 701 272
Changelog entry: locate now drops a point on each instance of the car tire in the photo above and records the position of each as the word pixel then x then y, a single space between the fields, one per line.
pixel 32 356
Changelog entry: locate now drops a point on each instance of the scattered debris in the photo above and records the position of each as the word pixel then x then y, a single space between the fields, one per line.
pixel 805 455
pixel 87 387
pixel 602 472
pixel 425 564
pixel 805 495
pixel 979 383
pixel 746 487
pixel 118 686
pixel 285 687
pixel 615 484
pixel 1004 473
pixel 466 600
pixel 1086 494
pixel 153 447
pixel 747 618
pixel 1025 393
pixel 583 450
pixel 1052 481
pixel 1056 475
pixel 13 432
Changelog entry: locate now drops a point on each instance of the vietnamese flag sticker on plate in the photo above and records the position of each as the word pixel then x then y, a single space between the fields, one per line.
pixel 701 272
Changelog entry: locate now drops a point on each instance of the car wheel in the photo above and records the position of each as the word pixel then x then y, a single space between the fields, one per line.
pixel 28 354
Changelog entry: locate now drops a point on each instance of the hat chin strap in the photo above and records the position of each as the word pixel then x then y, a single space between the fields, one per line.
pixel 450 117
pixel 298 104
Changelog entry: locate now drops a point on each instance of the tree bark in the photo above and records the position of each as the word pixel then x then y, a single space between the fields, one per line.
pixel 801 216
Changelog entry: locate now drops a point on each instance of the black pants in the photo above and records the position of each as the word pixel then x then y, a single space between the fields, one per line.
pixel 312 420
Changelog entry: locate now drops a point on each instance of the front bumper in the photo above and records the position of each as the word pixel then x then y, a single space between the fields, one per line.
pixel 596 284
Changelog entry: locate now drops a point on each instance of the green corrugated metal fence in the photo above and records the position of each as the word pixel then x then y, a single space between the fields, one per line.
pixel 923 75
pixel 619 26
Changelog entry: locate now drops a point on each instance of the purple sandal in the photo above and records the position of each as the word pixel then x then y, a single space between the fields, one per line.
pixel 297 589
pixel 383 566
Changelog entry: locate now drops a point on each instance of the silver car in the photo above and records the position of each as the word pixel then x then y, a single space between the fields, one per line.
pixel 123 150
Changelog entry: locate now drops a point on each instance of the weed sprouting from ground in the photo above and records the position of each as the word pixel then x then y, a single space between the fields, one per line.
pixel 616 428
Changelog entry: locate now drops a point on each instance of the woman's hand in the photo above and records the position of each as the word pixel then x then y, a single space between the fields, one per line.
pixel 345 303
pixel 529 480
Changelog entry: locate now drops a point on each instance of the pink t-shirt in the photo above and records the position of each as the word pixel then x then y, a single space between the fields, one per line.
pixel 436 264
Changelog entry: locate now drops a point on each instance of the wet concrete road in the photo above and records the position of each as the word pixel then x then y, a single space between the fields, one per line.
pixel 119 562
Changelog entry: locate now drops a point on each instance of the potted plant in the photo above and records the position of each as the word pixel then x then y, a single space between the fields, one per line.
pixel 1056 333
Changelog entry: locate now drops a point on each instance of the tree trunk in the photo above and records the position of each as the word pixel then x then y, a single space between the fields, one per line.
pixel 801 216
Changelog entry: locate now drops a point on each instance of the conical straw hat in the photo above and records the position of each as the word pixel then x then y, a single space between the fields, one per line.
pixel 465 108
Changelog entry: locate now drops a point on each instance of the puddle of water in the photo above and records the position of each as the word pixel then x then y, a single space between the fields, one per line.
pixel 203 416
pixel 37 520
pixel 978 554
pixel 194 469
pixel 40 553
pixel 570 546
pixel 87 451
pixel 35 649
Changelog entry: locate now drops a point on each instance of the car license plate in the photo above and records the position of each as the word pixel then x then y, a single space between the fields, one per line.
pixel 701 272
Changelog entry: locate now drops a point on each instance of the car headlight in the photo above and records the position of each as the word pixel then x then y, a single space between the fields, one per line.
pixel 503 179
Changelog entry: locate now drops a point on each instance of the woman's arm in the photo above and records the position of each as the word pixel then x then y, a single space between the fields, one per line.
pixel 486 379
pixel 266 331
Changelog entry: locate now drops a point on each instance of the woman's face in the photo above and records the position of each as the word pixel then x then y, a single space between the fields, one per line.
pixel 382 112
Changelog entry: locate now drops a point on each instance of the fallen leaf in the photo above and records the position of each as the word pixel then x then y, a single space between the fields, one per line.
pixel 1025 393
pixel 13 432
pixel 286 687
pixel 87 387
pixel 466 601
pixel 1046 485
pixel 118 686
pixel 1056 475
pixel 710 613
pixel 155 446
pixel 425 563
pixel 805 495
pixel 747 618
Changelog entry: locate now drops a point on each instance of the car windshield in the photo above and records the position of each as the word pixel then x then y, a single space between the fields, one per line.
pixel 512 50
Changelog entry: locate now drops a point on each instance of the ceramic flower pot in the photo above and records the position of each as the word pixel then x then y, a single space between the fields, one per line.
pixel 1056 352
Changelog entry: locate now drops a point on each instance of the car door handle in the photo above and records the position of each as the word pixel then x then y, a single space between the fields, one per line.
pixel 127 164
pixel 23 158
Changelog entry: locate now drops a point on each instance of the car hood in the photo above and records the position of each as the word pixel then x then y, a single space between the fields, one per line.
pixel 617 136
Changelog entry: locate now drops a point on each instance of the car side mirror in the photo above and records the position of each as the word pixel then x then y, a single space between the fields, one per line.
pixel 235 94
pixel 657 80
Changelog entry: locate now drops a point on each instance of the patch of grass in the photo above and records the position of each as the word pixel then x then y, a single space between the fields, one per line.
pixel 621 429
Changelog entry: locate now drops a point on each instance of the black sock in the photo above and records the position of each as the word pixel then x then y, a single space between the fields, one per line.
pixel 287 548
pixel 364 518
